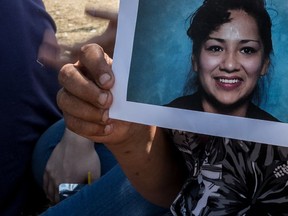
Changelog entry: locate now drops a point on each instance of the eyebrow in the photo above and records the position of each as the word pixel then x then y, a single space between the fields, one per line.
pixel 242 41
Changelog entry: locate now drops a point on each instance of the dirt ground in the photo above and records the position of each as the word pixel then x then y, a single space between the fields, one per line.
pixel 72 23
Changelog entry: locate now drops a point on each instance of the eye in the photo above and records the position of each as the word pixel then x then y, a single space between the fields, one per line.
pixel 248 50
pixel 215 48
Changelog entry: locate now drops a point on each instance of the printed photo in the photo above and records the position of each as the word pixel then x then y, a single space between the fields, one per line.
pixel 215 73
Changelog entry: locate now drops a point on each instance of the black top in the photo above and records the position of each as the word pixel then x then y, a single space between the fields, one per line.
pixel 193 102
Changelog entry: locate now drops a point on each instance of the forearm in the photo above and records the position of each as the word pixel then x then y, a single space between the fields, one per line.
pixel 152 166
pixel 71 160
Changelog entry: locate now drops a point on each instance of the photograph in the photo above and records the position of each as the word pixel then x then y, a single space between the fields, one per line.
pixel 215 73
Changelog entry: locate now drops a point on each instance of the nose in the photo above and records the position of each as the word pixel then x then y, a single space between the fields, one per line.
pixel 230 63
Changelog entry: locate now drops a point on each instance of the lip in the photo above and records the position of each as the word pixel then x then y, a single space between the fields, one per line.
pixel 228 83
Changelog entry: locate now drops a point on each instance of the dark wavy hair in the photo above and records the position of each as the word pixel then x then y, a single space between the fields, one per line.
pixel 214 13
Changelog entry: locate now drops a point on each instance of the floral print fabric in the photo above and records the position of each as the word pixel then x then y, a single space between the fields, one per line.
pixel 231 177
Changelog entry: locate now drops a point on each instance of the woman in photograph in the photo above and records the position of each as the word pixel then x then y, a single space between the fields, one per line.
pixel 195 174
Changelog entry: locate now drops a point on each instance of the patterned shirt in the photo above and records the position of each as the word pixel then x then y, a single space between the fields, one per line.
pixel 228 176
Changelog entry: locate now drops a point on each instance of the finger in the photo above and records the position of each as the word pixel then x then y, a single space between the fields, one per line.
pixel 98 65
pixel 45 182
pixel 48 187
pixel 103 14
pixel 56 194
pixel 53 188
pixel 50 192
pixel 80 109
pixel 87 129
pixel 80 86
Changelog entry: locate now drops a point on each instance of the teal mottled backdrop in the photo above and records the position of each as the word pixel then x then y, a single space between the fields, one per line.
pixel 162 54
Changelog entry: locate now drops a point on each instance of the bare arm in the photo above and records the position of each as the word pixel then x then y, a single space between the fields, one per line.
pixel 71 160
pixel 152 164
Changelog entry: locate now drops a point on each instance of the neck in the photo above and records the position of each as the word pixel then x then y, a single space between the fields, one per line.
pixel 233 110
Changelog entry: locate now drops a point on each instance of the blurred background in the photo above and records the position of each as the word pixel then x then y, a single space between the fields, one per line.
pixel 72 23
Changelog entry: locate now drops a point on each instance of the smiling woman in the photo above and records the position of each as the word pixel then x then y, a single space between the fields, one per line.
pixel 172 21
pixel 229 63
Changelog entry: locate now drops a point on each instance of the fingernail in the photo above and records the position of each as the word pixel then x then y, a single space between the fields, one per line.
pixel 105 116
pixel 104 78
pixel 108 129
pixel 102 98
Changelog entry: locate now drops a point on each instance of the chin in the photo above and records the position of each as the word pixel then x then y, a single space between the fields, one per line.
pixel 228 103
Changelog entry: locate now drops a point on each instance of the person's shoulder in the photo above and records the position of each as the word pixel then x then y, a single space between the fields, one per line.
pixel 256 112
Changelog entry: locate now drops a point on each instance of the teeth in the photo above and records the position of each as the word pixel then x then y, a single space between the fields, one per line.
pixel 229 81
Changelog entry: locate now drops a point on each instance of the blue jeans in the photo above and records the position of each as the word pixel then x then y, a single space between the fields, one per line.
pixel 111 195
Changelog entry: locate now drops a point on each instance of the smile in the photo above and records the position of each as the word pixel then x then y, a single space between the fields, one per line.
pixel 229 81
pixel 229 84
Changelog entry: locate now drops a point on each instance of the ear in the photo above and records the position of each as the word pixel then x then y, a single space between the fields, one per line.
pixel 265 67
pixel 194 63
